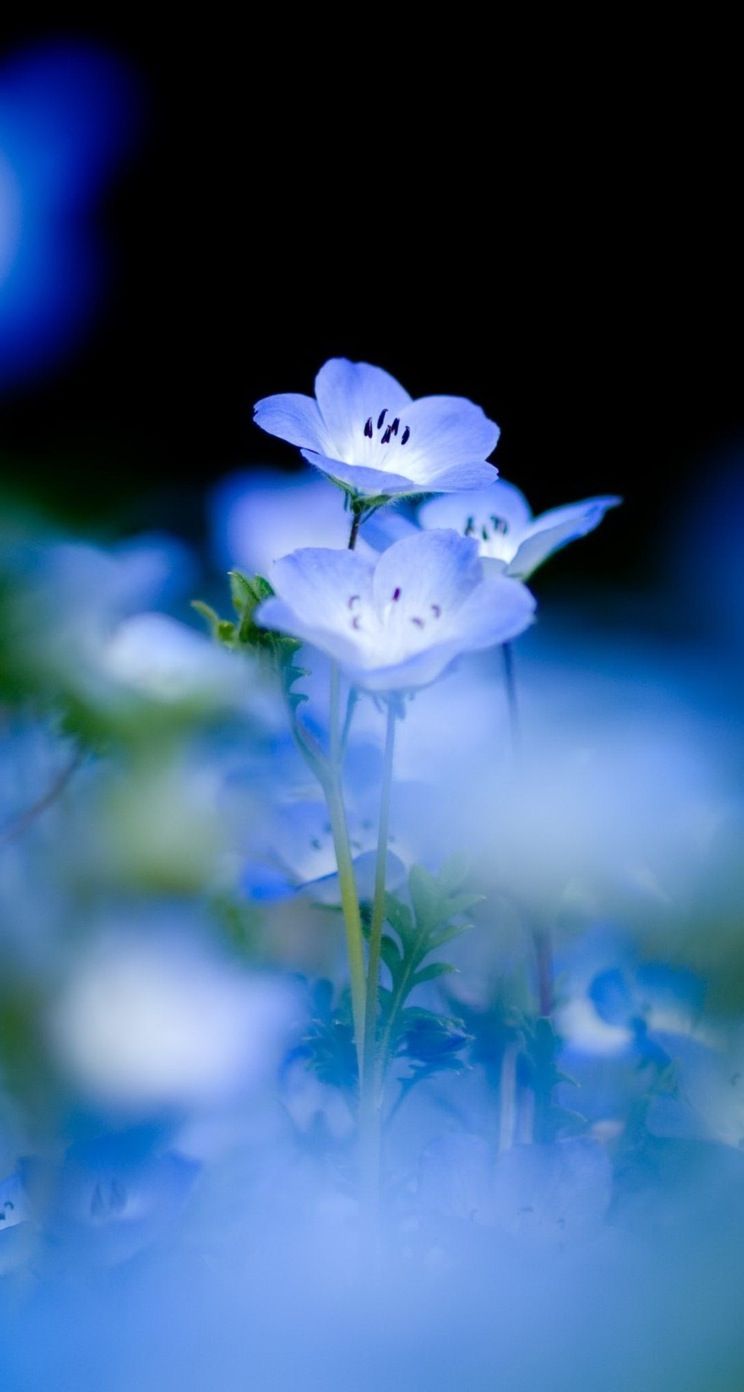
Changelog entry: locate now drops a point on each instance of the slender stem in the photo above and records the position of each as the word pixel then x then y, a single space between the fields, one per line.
pixel 356 519
pixel 378 903
pixel 349 897
pixel 510 682
pixel 540 937
pixel 25 819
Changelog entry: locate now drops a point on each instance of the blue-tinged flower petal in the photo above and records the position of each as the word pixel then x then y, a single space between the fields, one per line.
pixel 371 438
pixel 371 483
pixel 292 417
pixel 349 393
pixel 501 500
pixel 398 624
pixel 555 529
pixel 612 998
pixel 327 888
pixel 318 583
pixel 470 473
pixel 447 430
pixel 408 567
pixel 262 514
pixel 282 618
pixel 499 518
pixel 500 610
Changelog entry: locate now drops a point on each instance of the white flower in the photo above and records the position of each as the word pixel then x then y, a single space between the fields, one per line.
pixel 365 432
pixel 396 623
pixel 500 520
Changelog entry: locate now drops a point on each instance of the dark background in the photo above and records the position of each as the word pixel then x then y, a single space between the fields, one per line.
pixel 570 271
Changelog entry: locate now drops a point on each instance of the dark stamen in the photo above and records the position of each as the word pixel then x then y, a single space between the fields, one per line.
pixel 418 622
pixel 386 437
pixel 395 424
pixel 436 610
pixel 356 621
pixel 353 599
pixel 500 524
pixel 396 593
pixel 405 437
pixel 381 418
pixel 368 427
pixel 484 533
pixel 469 526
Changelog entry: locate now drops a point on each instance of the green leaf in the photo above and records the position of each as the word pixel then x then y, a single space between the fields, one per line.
pixel 400 918
pixel 391 955
pixel 208 613
pixel 431 972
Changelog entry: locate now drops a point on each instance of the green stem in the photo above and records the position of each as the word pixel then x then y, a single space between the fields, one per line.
pixel 378 904
pixel 356 519
pixel 349 897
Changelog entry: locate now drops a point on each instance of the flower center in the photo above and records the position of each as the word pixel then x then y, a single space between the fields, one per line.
pixel 494 536
pixel 386 430
pixel 499 527
pixel 428 612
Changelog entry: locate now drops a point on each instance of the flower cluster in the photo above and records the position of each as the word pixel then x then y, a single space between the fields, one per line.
pixel 397 622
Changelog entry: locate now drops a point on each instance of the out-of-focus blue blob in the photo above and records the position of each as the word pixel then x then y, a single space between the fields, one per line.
pixel 67 115
pixel 261 515
pixel 296 852
pixel 111 1197
pixel 653 989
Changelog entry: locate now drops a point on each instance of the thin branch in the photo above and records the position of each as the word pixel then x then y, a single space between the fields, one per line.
pixel 25 819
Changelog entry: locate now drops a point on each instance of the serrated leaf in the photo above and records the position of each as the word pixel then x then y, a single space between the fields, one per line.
pixel 399 917
pixel 247 592
pixel 447 935
pixel 454 872
pixel 391 955
pixel 431 972
pixel 207 612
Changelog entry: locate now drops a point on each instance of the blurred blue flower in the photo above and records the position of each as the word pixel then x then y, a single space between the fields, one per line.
pixel 398 623
pixel 66 115
pixel 296 852
pixel 110 1198
pixel 257 517
pixel 204 1034
pixel 651 991
pixel 365 432
pixel 166 661
pixel 70 598
pixel 500 520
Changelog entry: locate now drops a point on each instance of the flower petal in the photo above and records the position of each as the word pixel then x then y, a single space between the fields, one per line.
pixel 420 669
pixel 348 393
pixel 262 514
pixel 447 430
pixel 370 483
pixel 428 568
pixel 555 528
pixel 292 417
pixel 317 583
pixel 501 499
pixel 498 610
pixel 327 888
pixel 275 614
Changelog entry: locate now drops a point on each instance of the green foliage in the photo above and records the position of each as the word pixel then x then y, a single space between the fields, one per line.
pixel 329 1042
pixel 435 915
pixel 243 634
